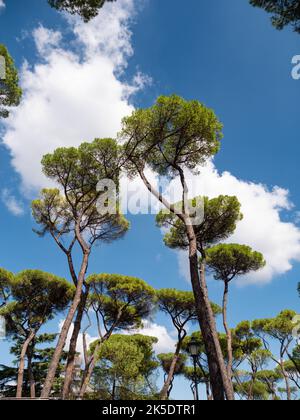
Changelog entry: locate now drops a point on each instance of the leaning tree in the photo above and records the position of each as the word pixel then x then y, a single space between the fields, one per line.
pixel 220 216
pixel 78 215
pixel 36 297
pixel 281 330
pixel 6 279
pixel 171 364
pixel 120 303
pixel 181 308
pixel 228 262
pixel 10 91
pixel 172 136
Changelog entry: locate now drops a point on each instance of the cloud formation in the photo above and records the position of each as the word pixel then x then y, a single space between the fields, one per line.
pixel 263 227
pixel 13 205
pixel 166 343
pixel 74 93
pixel 2 4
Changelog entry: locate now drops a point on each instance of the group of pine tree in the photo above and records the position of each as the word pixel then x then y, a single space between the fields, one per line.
pixel 254 360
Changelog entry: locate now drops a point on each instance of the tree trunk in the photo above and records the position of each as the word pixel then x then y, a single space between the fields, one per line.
pixel 65 329
pixel 287 382
pixel 22 364
pixel 165 390
pixel 228 331
pixel 220 384
pixel 113 394
pixel 72 350
pixel 30 372
pixel 88 373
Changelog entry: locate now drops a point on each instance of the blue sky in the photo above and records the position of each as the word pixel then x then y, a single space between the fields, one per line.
pixel 225 54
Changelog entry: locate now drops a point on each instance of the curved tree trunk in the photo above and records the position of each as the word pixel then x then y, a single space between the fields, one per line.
pixel 72 350
pixel 227 330
pixel 90 366
pixel 164 394
pixel 65 329
pixel 220 383
pixel 22 364
pixel 88 372
pixel 30 371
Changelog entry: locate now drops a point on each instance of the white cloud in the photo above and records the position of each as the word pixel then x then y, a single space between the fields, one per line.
pixel 71 97
pixel 166 343
pixel 262 227
pixel 12 204
pixel 79 347
pixel 46 40
pixel 75 94
pixel 2 4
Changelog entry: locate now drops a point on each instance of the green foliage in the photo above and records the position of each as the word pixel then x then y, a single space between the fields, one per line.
pixel 87 9
pixel 284 13
pixel 36 297
pixel 125 366
pixel 228 261
pixel 179 305
pixel 171 135
pixel 121 301
pixel 78 172
pixel 10 92
pixel 166 361
pixel 257 389
pixel 269 376
pixel 279 328
pixel 41 357
pixel 189 374
pixel 6 279
pixel 221 215
pixel 244 342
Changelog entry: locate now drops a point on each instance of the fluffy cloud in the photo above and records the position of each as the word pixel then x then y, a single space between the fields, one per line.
pixel 2 4
pixel 75 93
pixel 262 227
pixel 79 348
pixel 13 205
pixel 72 94
pixel 166 343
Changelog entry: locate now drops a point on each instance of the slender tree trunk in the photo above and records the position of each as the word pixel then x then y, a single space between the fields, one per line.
pixel 208 394
pixel 88 373
pixel 164 392
pixel 220 383
pixel 72 350
pixel 113 394
pixel 30 371
pixel 65 329
pixel 227 329
pixel 250 395
pixel 22 364
pixel 287 382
